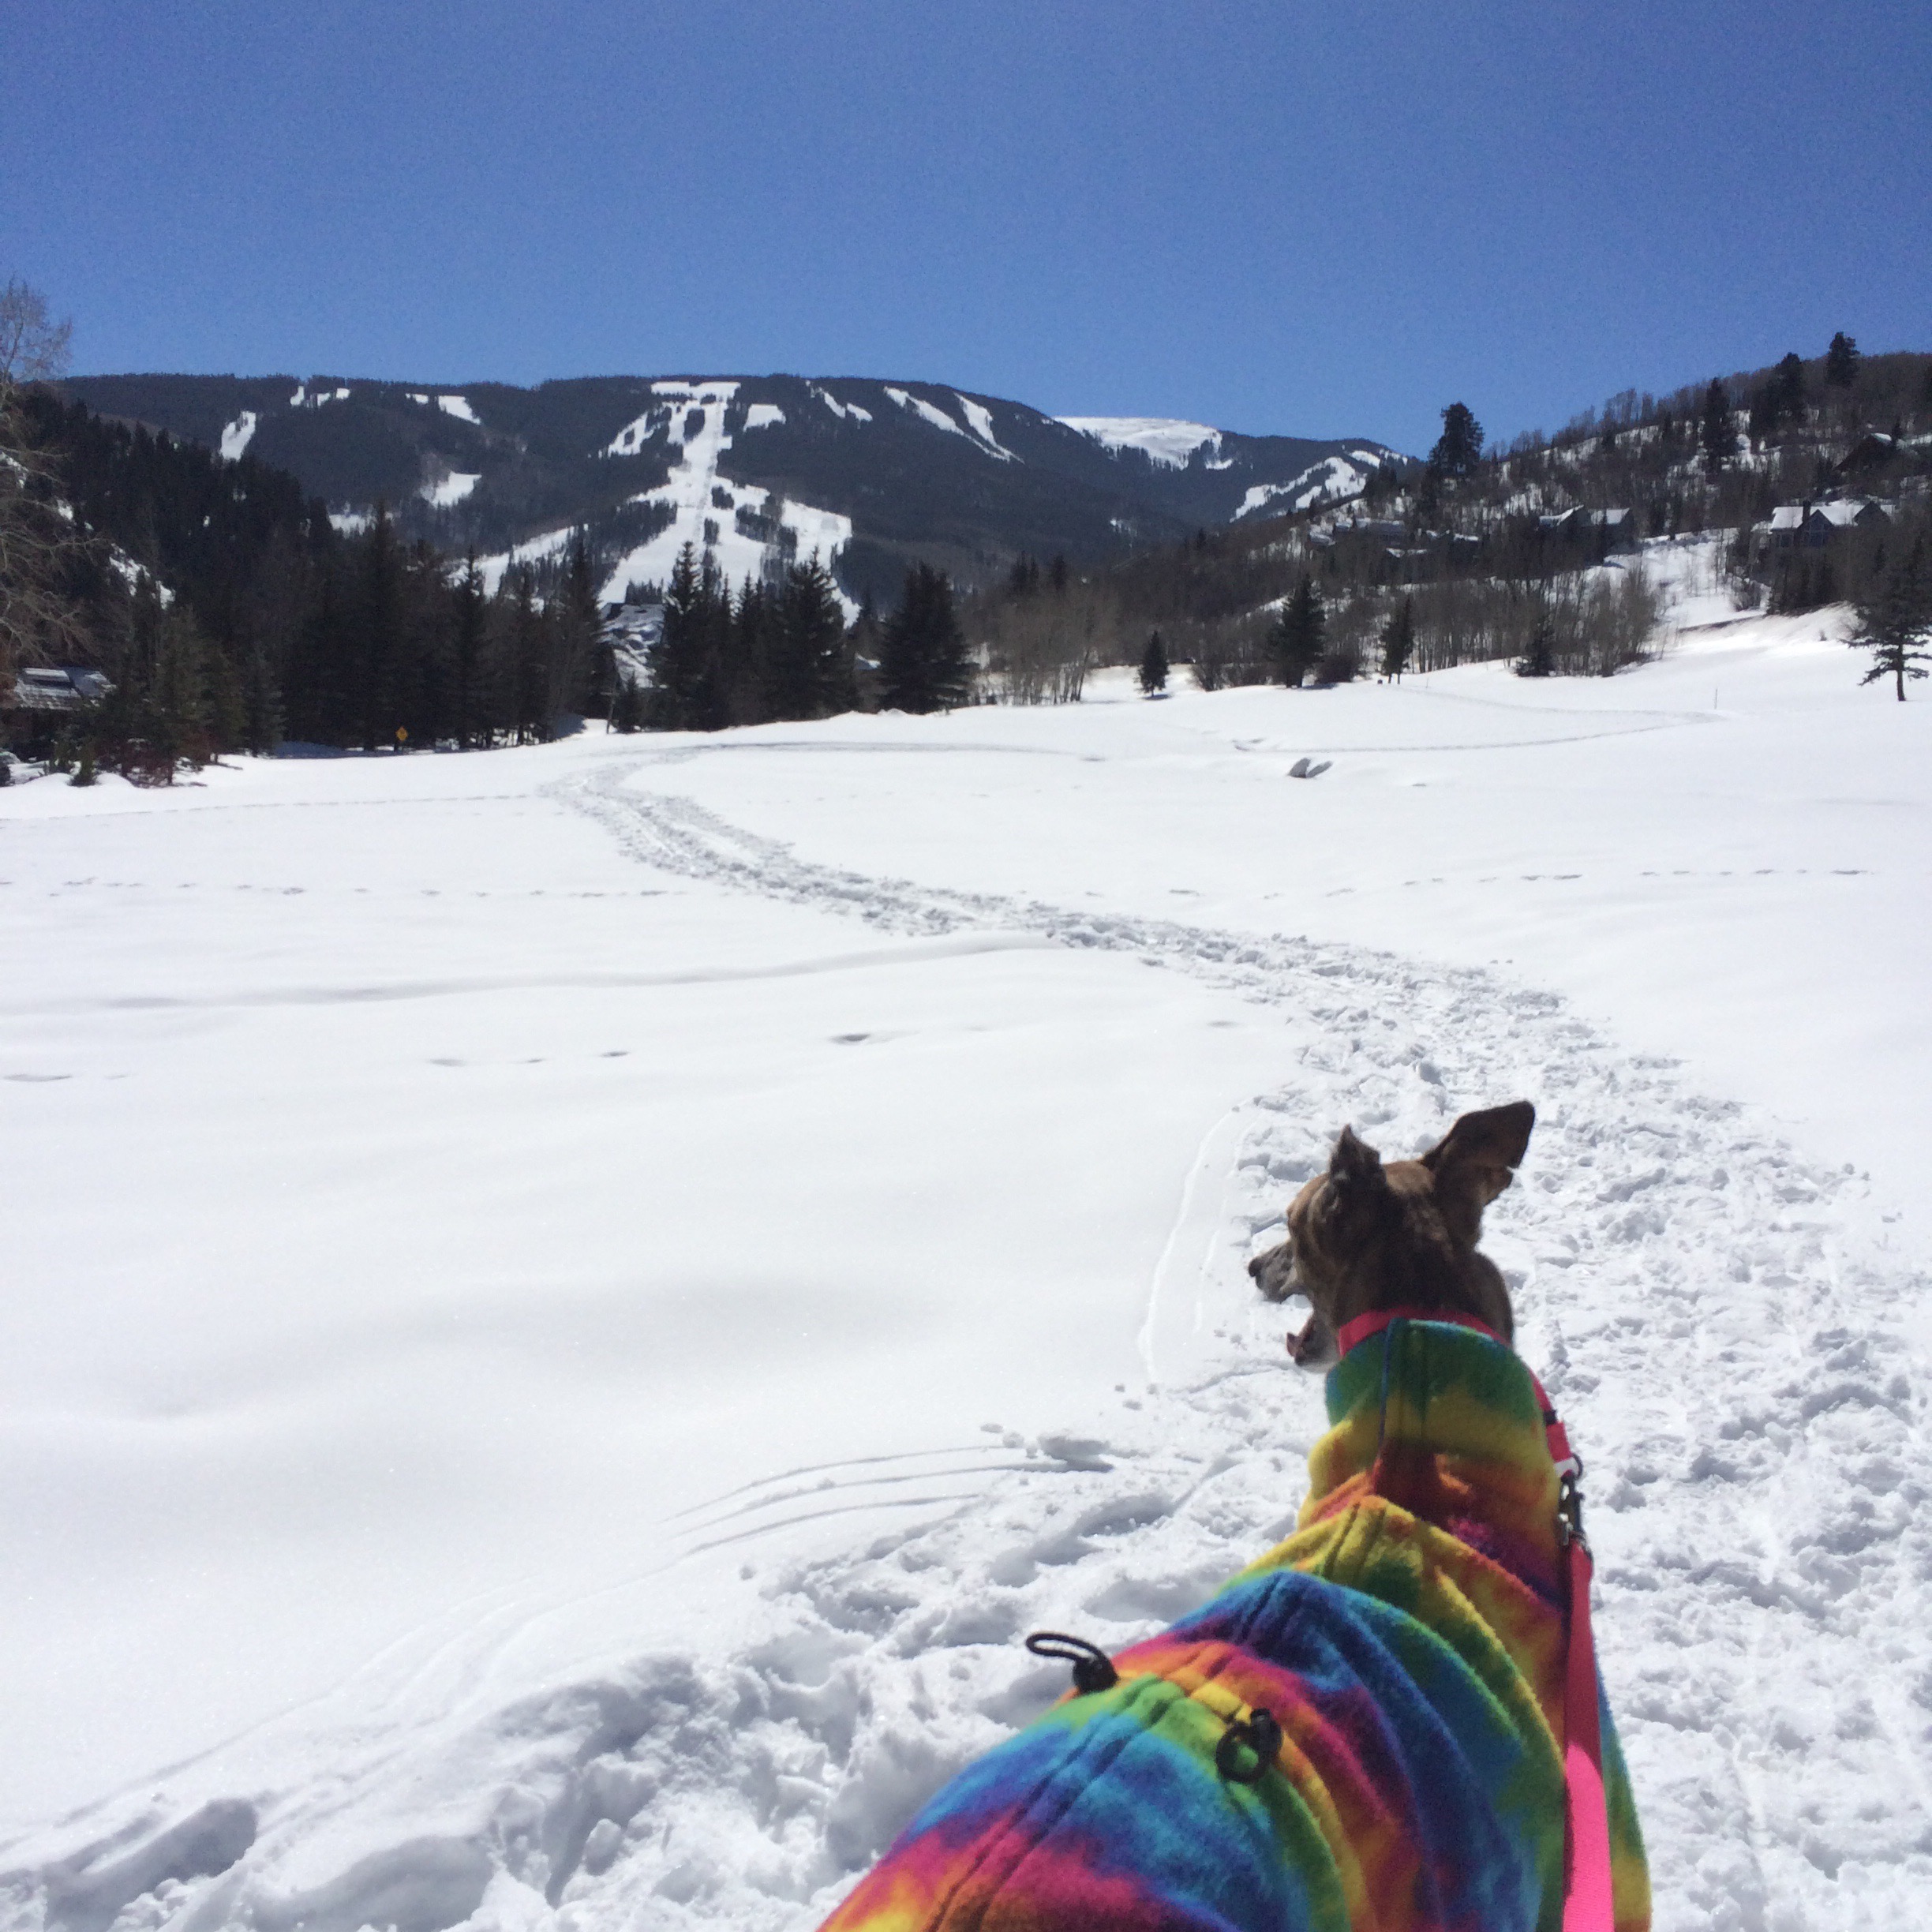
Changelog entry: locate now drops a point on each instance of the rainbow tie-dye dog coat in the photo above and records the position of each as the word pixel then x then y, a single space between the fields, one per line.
pixel 1408 1640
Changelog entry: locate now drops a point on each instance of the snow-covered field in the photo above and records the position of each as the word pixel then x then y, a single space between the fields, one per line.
pixel 567 1308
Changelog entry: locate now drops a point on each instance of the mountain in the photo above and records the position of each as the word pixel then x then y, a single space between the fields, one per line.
pixel 872 473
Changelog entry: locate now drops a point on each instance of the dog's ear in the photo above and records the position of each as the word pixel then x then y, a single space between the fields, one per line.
pixel 1355 1167
pixel 1474 1161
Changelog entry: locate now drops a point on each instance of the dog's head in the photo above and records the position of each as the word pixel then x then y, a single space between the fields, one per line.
pixel 1364 1236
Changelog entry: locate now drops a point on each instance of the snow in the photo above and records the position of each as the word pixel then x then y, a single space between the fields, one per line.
pixel 688 490
pixel 456 406
pixel 1166 439
pixel 980 418
pixel 451 489
pixel 352 522
pixel 843 410
pixel 586 1295
pixel 1333 477
pixel 924 410
pixel 761 415
pixel 491 570
pixel 235 437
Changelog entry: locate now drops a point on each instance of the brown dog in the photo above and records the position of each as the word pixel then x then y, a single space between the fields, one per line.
pixel 1365 1237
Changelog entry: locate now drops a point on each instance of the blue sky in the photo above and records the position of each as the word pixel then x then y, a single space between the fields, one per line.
pixel 1270 217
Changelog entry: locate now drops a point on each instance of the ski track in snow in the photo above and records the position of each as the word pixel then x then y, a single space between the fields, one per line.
pixel 1721 1322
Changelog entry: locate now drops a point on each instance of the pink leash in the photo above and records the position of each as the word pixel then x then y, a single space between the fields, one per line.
pixel 1588 1902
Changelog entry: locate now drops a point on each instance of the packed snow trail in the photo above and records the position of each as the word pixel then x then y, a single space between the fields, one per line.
pixel 1721 1322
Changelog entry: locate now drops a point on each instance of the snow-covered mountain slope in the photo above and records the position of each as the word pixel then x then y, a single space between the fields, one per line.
pixel 883 471
pixel 592 1293
pixel 1165 440
pixel 737 522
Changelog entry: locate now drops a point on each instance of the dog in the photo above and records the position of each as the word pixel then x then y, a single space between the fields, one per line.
pixel 1363 1237
pixel 1391 1720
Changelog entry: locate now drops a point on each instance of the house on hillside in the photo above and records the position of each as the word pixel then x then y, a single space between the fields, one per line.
pixel 43 700
pixel 1816 525
pixel 1608 529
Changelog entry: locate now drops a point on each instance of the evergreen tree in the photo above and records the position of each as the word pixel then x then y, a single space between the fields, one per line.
pixel 923 661
pixel 574 628
pixel 1717 433
pixel 757 673
pixel 529 655
pixel 627 706
pixel 377 635
pixel 1894 623
pixel 468 640
pixel 1295 642
pixel 261 703
pixel 1398 639
pixel 688 683
pixel 1458 449
pixel 811 629
pixel 1841 361
pixel 1540 659
pixel 1153 665
pixel 864 643
pixel 1788 385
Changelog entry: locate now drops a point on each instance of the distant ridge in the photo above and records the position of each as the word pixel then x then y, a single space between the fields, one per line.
pixel 873 474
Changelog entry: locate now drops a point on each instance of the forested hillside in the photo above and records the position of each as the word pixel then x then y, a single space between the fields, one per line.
pixel 1816 473
pixel 876 475
pixel 224 607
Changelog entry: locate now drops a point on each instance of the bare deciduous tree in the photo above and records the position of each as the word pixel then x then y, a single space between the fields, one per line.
pixel 33 346
pixel 36 620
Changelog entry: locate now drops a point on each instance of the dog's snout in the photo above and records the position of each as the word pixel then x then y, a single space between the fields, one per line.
pixel 1273 1272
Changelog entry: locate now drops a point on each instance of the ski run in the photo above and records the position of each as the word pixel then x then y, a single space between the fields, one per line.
pixel 570 1307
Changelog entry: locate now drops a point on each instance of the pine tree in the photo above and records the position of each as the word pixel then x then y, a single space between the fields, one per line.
pixel 1841 361
pixel 1398 639
pixel 576 624
pixel 529 652
pixel 1458 449
pixel 1789 387
pixel 689 689
pixel 1895 622
pixel 467 654
pixel 1295 642
pixel 763 683
pixel 261 700
pixel 1717 434
pixel 817 676
pixel 1540 659
pixel 377 633
pixel 626 708
pixel 923 661
pixel 1153 665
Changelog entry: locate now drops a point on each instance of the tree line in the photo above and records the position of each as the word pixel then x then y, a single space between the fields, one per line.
pixel 228 613
pixel 782 649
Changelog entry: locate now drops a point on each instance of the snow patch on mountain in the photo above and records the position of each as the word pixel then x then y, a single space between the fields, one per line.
pixel 491 570
pixel 981 418
pixel 762 415
pixel 1334 477
pixel 924 410
pixel 236 436
pixel 456 405
pixel 710 511
pixel 451 489
pixel 842 410
pixel 1165 440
